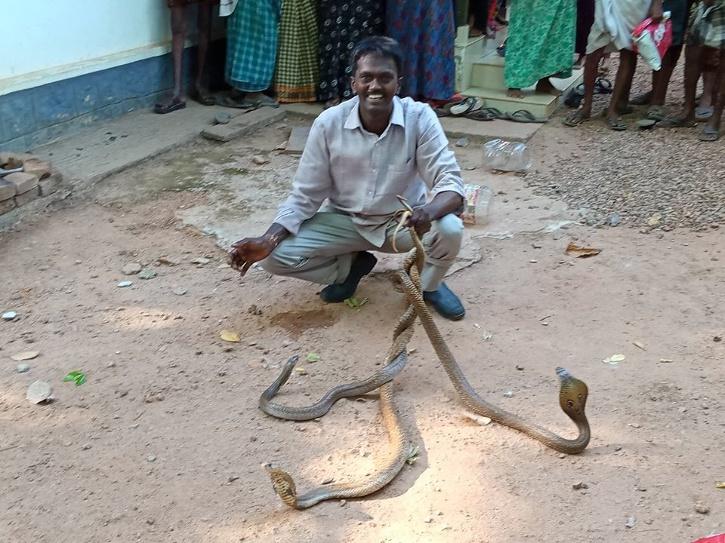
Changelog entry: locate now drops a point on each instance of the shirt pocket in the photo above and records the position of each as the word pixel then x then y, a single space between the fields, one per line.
pixel 399 177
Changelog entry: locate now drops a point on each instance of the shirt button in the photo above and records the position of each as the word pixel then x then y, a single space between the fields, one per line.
pixel 370 193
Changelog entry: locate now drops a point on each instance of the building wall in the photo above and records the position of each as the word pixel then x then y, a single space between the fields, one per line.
pixel 67 63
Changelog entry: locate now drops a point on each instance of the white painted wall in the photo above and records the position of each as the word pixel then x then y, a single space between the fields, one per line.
pixel 48 40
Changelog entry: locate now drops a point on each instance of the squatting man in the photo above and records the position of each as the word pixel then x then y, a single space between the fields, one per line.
pixel 359 156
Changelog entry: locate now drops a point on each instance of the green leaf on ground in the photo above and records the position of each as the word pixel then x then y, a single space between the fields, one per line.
pixel 77 376
pixel 354 303
pixel 313 357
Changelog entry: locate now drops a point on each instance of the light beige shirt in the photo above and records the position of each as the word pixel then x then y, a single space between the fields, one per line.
pixel 360 173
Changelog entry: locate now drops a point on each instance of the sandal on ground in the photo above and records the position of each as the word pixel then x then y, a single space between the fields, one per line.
pixel 228 101
pixel 656 113
pixel 523 116
pixel 264 101
pixel 485 114
pixel 174 105
pixel 616 124
pixel 470 104
pixel 709 133
pixel 203 97
pixel 676 122
pixel 603 86
pixel 575 118
pixel 445 109
pixel 703 113
pixel 501 50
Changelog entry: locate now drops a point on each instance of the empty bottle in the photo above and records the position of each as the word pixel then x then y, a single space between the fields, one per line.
pixel 478 201
pixel 506 156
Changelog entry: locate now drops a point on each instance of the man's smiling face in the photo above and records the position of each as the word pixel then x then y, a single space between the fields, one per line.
pixel 376 81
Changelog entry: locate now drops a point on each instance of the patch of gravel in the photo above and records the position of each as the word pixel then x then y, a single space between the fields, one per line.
pixel 648 179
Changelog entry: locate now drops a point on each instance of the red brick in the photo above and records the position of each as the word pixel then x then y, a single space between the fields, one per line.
pixel 7 190
pixel 23 181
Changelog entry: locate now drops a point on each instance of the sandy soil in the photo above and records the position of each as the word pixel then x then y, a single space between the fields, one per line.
pixel 164 440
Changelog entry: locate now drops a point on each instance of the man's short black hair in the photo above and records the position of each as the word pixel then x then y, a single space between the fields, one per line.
pixel 378 45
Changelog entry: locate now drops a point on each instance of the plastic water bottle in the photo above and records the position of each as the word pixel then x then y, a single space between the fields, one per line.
pixel 478 200
pixel 506 156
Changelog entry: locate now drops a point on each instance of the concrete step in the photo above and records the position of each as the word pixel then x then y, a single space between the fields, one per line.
pixel 540 105
pixel 487 81
pixel 487 72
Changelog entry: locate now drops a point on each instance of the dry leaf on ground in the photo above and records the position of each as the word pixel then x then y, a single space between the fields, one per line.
pixel 581 252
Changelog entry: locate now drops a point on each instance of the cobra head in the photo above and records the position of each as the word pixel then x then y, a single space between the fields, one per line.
pixel 572 395
pixel 282 484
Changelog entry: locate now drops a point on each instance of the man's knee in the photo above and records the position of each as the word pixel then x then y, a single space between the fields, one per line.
pixel 280 262
pixel 448 236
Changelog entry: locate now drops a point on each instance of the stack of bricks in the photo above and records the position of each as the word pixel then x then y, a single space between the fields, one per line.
pixel 37 179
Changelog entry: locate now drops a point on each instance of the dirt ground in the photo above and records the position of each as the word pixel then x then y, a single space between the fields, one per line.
pixel 164 441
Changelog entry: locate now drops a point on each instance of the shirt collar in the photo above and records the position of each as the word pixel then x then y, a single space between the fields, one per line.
pixel 353 118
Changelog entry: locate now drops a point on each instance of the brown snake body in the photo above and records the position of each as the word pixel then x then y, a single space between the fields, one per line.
pixel 572 400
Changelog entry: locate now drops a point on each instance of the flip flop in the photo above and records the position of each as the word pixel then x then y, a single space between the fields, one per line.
pixel 174 105
pixel 709 133
pixel 523 116
pixel 228 101
pixel 656 113
pixel 264 101
pixel 445 109
pixel 603 86
pixel 575 118
pixel 676 122
pixel 471 103
pixel 485 114
pixel 203 97
pixel 616 124
pixel 703 113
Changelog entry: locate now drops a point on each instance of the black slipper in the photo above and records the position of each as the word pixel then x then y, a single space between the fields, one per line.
pixel 203 97
pixel 174 105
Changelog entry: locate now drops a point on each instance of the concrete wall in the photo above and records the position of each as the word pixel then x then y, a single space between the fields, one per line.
pixel 47 41
pixel 67 63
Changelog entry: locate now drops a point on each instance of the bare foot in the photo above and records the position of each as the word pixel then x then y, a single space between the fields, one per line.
pixel 544 86
pixel 515 93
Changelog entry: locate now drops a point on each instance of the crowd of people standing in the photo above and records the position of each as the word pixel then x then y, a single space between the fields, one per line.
pixel 298 50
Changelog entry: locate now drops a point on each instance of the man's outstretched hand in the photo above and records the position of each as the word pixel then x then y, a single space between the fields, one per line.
pixel 247 251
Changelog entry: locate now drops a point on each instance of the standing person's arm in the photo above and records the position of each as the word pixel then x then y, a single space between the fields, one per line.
pixel 655 11
pixel 437 166
pixel 310 187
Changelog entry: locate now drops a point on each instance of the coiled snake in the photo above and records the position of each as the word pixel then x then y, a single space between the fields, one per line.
pixel 572 399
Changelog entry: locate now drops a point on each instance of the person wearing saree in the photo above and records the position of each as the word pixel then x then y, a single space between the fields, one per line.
pixel 342 24
pixel 540 44
pixel 426 32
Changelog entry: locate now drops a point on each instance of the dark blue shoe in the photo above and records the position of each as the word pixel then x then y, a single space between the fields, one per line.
pixel 445 302
pixel 362 265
